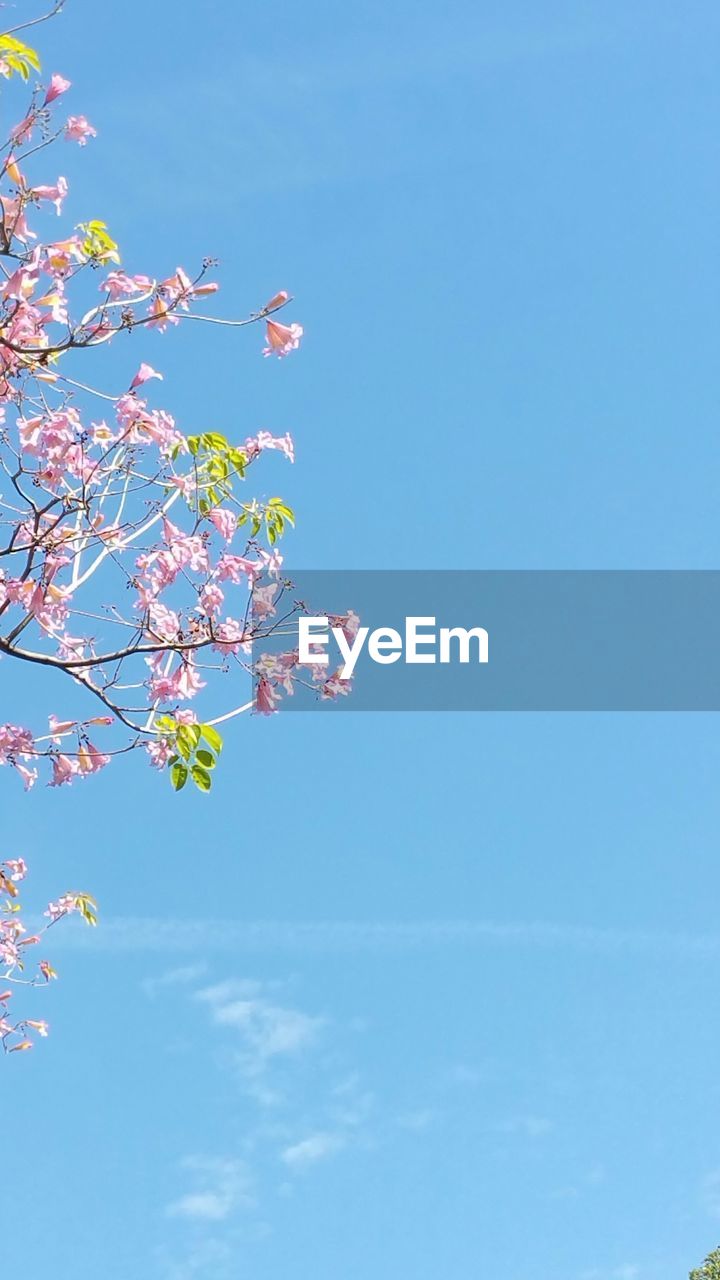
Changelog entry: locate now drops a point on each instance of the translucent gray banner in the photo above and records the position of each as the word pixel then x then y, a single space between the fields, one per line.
pixel 551 640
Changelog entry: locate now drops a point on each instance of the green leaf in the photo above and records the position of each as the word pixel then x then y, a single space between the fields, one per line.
pixel 206 759
pixel 98 243
pixel 211 736
pixel 18 56
pixel 201 778
pixel 87 907
pixel 178 776
pixel 188 736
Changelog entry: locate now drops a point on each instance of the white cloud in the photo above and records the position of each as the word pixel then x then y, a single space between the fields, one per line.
pixel 319 1146
pixel 267 1029
pixel 180 977
pixel 211 1206
pixel 224 1188
pixel 151 934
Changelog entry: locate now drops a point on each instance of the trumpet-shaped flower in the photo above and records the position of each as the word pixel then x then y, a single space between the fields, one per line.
pixel 282 338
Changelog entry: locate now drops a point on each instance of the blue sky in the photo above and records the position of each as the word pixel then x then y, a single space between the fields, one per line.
pixel 446 1007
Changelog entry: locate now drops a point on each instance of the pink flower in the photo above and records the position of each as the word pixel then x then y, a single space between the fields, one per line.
pixel 40 1026
pixel 56 194
pixel 234 567
pixel 225 522
pixel 17 868
pixel 266 697
pixel 63 907
pixel 64 770
pixel 90 759
pixel 230 636
pixel 58 85
pixel 29 776
pixel 144 373
pixel 282 338
pixel 211 598
pixel 264 440
pixel 164 622
pixel 159 752
pixel 278 300
pixel 262 601
pixel 60 727
pixel 79 130
pixel 335 686
pixel 118 283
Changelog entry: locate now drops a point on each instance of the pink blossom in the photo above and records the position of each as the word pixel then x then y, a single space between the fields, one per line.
pixel 22 132
pixel 230 636
pixel 264 440
pixel 262 601
pixel 237 567
pixel 164 622
pixel 159 751
pixel 266 698
pixel 55 194
pixel 179 685
pixel 144 373
pixel 17 868
pixel 78 129
pixel 14 741
pixel 225 522
pixel 58 85
pixel 271 561
pixel 29 776
pixel 90 760
pixel 277 300
pixel 349 622
pixel 336 686
pixel 40 1026
pixel 282 338
pixel 63 907
pixel 60 727
pixel 64 770
pixel 118 283
pixel 211 598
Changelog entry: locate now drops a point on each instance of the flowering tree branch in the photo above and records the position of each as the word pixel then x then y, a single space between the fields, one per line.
pixel 131 561
pixel 15 945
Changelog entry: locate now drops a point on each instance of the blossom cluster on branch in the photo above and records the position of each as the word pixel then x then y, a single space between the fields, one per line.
pixel 16 942
pixel 131 562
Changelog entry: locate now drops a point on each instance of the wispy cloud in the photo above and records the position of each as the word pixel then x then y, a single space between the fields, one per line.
pixel 319 1146
pixel 265 1031
pixel 183 976
pixel 260 936
pixel 222 1188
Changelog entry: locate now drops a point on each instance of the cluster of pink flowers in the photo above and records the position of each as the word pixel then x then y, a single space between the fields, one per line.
pixel 104 488
pixel 16 942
